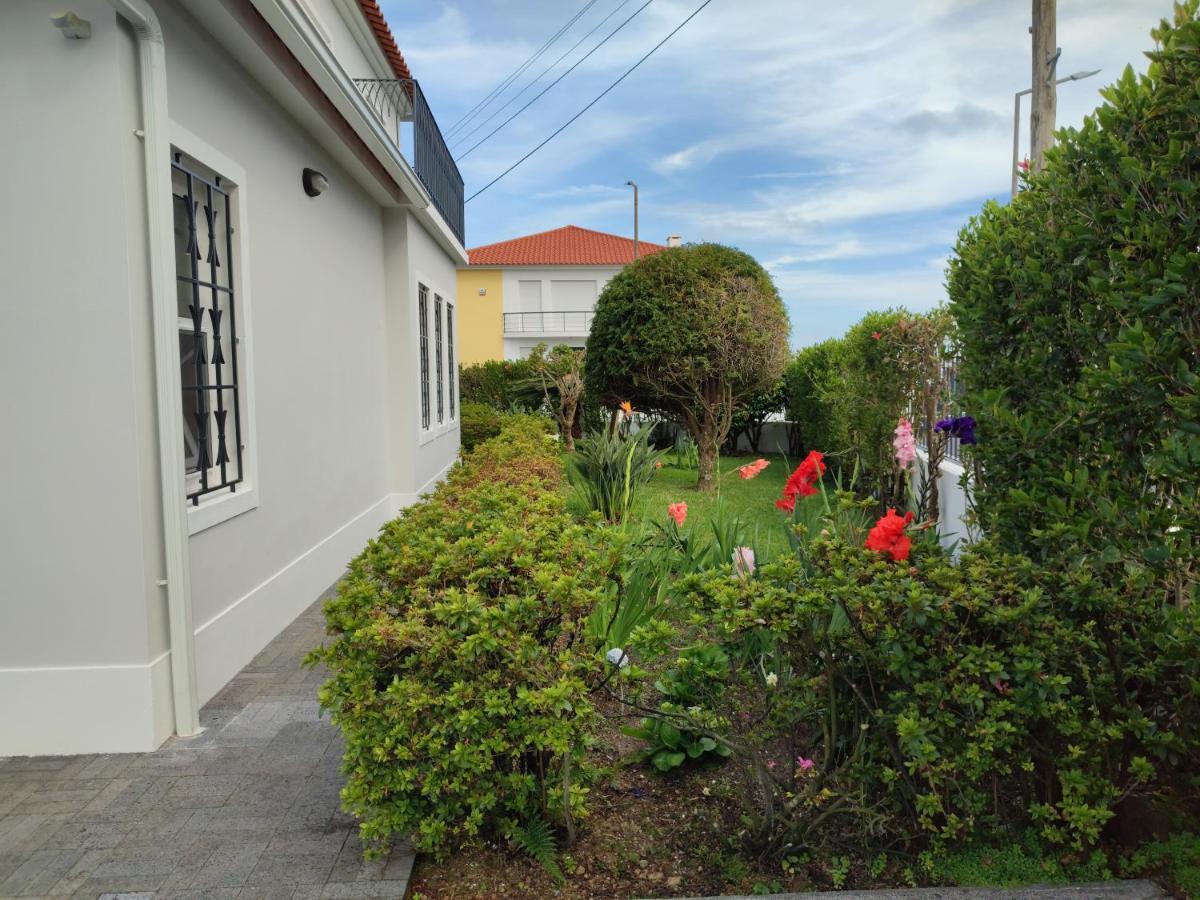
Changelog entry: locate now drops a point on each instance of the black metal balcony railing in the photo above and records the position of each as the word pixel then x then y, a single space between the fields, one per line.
pixel 564 322
pixel 400 100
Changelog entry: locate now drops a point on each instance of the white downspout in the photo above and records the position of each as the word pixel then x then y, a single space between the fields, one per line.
pixel 159 220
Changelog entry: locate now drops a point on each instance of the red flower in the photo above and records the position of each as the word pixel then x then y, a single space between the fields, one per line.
pixel 750 470
pixel 800 483
pixel 876 335
pixel 888 536
pixel 678 512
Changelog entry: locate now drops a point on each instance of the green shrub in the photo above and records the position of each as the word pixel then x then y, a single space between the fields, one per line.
pixel 504 385
pixel 459 669
pixel 693 333
pixel 945 702
pixel 477 423
pixel 810 398
pixel 1079 310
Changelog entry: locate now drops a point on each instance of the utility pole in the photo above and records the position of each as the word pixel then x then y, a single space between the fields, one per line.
pixel 633 184
pixel 1045 96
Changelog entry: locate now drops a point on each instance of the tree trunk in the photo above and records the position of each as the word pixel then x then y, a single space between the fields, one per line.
pixel 707 452
pixel 568 426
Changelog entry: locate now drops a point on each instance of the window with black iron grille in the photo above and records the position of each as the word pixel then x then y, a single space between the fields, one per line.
pixel 208 343
pixel 423 325
pixel 437 346
pixel 450 370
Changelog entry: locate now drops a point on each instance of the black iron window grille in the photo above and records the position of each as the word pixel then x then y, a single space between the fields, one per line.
pixel 437 347
pixel 450 370
pixel 208 342
pixel 423 325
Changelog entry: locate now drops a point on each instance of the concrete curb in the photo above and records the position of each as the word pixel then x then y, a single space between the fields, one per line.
pixel 1105 890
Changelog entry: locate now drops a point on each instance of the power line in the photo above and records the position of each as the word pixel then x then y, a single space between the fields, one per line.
pixel 575 65
pixel 499 89
pixel 596 100
pixel 543 74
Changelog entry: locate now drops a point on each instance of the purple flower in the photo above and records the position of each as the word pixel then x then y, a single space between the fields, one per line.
pixel 961 427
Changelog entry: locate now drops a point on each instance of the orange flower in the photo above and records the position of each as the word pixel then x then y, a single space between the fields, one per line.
pixel 626 407
pixel 658 464
pixel 750 470
pixel 678 512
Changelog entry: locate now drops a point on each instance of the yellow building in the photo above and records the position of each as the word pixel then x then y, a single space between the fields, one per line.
pixel 539 288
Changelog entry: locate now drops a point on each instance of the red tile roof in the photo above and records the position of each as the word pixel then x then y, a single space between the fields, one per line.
pixel 383 35
pixel 567 246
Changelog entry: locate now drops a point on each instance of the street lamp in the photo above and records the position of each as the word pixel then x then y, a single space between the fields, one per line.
pixel 633 184
pixel 1074 76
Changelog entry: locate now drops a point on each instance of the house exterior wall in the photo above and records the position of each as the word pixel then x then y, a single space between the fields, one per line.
pixel 328 320
pixel 482 316
pixel 78 582
pixel 574 283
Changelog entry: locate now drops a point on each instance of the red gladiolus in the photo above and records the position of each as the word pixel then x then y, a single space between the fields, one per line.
pixel 888 536
pixel 750 470
pixel 678 512
pixel 800 483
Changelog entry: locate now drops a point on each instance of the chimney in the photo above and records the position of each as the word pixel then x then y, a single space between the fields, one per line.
pixel 674 240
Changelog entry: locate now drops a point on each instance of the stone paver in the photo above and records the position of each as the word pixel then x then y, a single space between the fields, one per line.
pixel 246 809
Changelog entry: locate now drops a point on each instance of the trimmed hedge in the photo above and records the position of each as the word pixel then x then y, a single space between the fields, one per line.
pixel 505 385
pixel 459 664
pixel 478 422
pixel 1079 311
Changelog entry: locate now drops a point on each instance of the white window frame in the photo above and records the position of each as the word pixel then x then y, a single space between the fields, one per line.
pixel 221 506
pixel 450 408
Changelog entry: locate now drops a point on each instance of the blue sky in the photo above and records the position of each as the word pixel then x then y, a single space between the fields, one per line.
pixel 842 144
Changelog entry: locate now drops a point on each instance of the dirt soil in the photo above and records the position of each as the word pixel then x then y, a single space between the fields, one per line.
pixel 648 835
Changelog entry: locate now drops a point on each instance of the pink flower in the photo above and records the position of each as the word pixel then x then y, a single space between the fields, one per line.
pixel 770 763
pixel 750 470
pixel 678 512
pixel 875 335
pixel 805 765
pixel 743 562
pixel 905 445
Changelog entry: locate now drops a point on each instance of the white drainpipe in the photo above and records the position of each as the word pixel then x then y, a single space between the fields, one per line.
pixel 156 144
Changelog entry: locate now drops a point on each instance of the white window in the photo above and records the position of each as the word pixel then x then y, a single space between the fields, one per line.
pixel 207 307
pixel 437 376
pixel 451 369
pixel 423 338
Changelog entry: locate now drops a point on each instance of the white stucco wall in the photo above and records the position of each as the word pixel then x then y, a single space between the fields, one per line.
pixel 330 335
pixel 76 578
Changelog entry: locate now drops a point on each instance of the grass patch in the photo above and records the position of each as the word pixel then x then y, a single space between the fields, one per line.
pixel 752 501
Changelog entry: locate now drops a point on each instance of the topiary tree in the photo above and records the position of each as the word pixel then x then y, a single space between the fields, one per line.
pixel 1078 307
pixel 692 333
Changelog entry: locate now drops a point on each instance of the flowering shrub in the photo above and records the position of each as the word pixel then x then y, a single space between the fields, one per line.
pixel 940 701
pixel 459 672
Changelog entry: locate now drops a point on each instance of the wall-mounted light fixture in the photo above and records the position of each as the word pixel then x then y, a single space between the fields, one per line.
pixel 71 25
pixel 315 184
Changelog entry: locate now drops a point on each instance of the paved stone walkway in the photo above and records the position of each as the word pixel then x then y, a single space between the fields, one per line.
pixel 247 809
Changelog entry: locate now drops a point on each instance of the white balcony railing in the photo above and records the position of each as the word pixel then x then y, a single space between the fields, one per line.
pixel 561 322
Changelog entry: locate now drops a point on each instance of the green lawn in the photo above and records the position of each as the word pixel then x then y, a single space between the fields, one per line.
pixel 752 501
